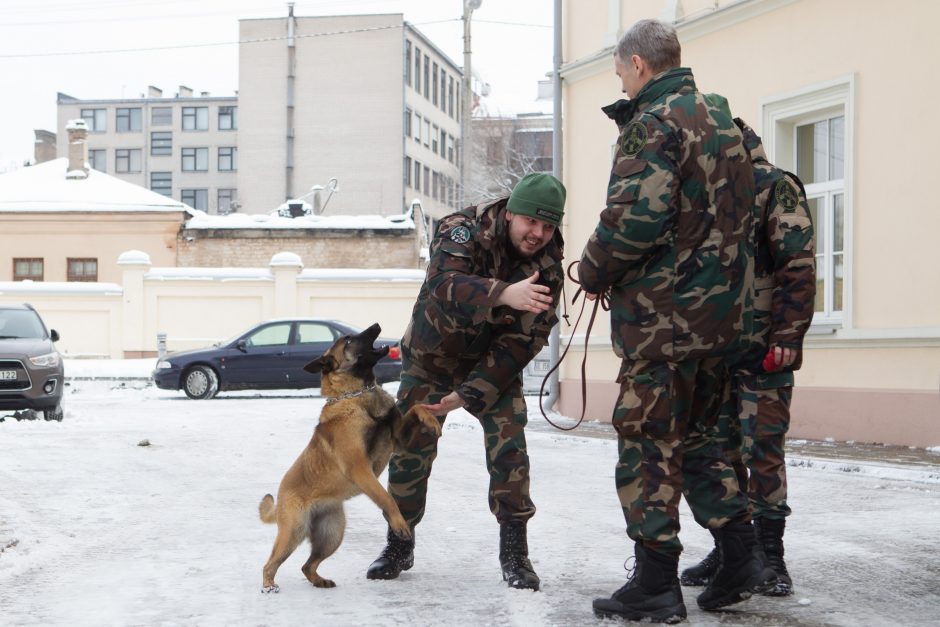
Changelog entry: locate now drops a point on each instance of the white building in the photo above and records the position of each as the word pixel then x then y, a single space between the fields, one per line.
pixel 365 99
pixel 184 147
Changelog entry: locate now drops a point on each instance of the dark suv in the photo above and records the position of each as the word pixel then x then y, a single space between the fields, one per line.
pixel 31 370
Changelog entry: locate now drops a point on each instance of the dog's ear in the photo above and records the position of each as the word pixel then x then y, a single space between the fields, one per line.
pixel 324 364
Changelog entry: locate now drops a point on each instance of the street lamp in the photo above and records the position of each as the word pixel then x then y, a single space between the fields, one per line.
pixel 469 6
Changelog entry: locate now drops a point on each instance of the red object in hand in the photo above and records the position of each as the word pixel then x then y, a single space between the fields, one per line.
pixel 770 363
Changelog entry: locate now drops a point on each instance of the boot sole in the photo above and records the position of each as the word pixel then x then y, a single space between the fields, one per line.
pixel 670 617
pixel 744 593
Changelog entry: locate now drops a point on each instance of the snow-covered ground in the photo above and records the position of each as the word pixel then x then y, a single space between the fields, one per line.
pixel 98 530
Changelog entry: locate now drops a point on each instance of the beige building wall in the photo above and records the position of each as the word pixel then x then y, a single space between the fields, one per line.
pixel 58 236
pixel 876 376
pixel 110 140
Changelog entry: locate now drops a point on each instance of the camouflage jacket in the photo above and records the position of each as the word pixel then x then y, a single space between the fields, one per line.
pixel 458 336
pixel 784 274
pixel 673 245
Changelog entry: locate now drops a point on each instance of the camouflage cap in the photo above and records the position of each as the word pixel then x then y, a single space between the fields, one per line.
pixel 539 196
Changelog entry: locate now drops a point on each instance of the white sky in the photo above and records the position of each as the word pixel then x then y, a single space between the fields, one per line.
pixel 96 530
pixel 29 28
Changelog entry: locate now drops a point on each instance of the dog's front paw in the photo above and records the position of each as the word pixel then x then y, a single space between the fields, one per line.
pixel 429 421
pixel 400 528
pixel 272 589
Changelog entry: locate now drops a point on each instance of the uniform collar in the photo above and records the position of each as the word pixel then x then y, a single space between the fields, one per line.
pixel 668 82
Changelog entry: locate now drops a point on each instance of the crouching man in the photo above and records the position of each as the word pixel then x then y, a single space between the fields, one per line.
pixel 484 311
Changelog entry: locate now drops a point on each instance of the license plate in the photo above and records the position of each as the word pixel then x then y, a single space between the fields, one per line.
pixel 7 375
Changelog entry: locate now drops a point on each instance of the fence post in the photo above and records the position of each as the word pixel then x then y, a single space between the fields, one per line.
pixel 134 264
pixel 285 267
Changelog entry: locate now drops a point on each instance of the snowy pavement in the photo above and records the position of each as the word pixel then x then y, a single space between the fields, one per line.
pixel 98 530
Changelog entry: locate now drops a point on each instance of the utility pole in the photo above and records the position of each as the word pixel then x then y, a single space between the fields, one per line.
pixel 466 150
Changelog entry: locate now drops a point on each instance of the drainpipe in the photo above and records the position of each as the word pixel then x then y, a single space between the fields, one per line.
pixel 291 75
pixel 553 338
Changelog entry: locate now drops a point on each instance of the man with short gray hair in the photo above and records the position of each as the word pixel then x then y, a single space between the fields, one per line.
pixel 673 249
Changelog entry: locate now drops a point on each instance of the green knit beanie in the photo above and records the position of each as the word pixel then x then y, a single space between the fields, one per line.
pixel 539 196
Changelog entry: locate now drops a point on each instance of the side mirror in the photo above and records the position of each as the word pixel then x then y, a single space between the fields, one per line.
pixel 242 345
pixel 54 335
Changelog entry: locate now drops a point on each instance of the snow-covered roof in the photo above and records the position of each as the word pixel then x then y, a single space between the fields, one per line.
pixel 45 188
pixel 202 220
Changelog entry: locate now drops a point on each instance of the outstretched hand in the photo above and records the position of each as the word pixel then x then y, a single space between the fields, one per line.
pixel 448 403
pixel 527 295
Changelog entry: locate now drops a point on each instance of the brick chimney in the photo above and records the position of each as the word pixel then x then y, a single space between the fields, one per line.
pixel 154 92
pixel 184 92
pixel 78 149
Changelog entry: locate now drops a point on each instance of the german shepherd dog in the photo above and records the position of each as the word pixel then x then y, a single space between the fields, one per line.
pixel 360 426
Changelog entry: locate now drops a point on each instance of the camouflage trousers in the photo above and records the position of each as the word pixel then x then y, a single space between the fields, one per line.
pixel 507 459
pixel 665 419
pixel 752 428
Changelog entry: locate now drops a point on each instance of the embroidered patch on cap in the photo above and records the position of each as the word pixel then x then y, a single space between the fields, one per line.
pixel 546 214
pixel 786 195
pixel 461 235
pixel 633 139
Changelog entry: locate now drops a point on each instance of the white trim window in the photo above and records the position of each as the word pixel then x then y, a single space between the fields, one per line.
pixel 810 132
pixel 820 164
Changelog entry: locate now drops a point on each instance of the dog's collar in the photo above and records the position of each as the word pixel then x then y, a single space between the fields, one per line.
pixel 343 397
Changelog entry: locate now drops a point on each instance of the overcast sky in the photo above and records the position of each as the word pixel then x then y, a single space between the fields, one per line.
pixel 46 47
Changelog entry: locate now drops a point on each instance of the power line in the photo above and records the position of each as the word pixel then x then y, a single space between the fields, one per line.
pixel 202 45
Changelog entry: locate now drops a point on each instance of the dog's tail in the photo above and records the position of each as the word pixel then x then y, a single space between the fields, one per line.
pixel 266 509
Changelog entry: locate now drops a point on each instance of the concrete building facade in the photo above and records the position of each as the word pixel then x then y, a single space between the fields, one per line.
pixel 184 147
pixel 363 99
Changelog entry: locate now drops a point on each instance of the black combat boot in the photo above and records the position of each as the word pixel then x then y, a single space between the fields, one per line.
pixel 514 556
pixel 741 571
pixel 770 536
pixel 701 573
pixel 651 594
pixel 398 555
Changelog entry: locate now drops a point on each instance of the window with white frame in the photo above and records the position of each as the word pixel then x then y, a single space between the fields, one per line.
pixel 820 164
pixel 127 160
pixel 195 160
pixel 810 133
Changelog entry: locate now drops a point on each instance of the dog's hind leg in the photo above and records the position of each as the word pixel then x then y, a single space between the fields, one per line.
pixel 290 533
pixel 326 527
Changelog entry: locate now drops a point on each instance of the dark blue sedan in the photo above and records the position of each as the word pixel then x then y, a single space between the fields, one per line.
pixel 269 356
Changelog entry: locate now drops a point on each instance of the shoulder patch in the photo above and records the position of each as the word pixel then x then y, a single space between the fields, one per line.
pixel 633 139
pixel 460 234
pixel 786 195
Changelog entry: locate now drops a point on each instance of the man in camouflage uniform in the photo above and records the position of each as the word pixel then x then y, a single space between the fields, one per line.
pixel 673 248
pixel 485 310
pixel 755 418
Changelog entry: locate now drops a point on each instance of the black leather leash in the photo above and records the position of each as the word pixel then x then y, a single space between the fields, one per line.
pixel 602 300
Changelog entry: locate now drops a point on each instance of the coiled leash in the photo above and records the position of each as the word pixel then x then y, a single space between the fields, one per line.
pixel 602 300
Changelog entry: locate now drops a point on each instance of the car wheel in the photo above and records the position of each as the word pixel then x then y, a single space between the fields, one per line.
pixel 200 383
pixel 54 413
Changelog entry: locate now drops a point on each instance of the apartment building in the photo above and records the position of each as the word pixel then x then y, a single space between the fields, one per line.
pixel 184 146
pixel 365 99
pixel 506 148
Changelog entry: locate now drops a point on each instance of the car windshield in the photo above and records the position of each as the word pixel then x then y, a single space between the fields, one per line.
pixel 20 323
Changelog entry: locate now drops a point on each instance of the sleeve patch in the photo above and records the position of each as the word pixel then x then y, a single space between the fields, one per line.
pixel 786 195
pixel 460 235
pixel 633 139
